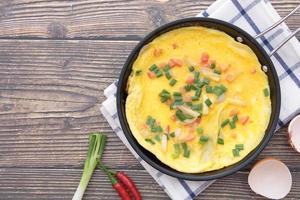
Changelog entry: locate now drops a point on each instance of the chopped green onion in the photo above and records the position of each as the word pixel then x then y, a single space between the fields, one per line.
pixel 190 104
pixel 167 68
pixel 235 152
pixel 177 151
pixel 196 75
pixel 239 147
pixel 235 118
pixel 172 134
pixel 177 94
pixel 200 84
pixel 213 65
pixel 159 129
pixel 266 92
pixel 206 81
pixel 193 87
pixel 224 123
pixel 232 124
pixel 186 151
pixel 164 95
pixel 187 88
pixel 138 72
pixel 176 103
pixel 191 68
pixel 168 75
pixel 195 98
pixel 216 71
pixel 199 130
pixel 158 74
pixel 150 121
pixel 181 116
pixel 198 92
pixel 220 141
pixel 219 90
pixel 172 82
pixel 208 102
pixel 208 89
pixel 197 107
pixel 150 141
pixel 157 138
pixel 203 139
pixel 153 67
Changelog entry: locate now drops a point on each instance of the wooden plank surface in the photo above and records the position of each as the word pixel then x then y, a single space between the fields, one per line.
pixel 56 57
pixel 99 19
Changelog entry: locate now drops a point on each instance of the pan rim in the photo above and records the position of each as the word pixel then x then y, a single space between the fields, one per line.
pixel 198 176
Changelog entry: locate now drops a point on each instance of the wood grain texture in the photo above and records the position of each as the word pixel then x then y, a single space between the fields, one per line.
pixel 56 58
pixel 38 184
pixel 101 19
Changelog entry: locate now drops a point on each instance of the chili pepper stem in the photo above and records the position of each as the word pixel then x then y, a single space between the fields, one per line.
pixel 106 170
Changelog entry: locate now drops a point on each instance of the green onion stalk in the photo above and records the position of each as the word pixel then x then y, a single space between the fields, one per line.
pixel 96 147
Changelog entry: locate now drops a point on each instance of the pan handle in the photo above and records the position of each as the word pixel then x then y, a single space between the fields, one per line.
pixel 284 41
pixel 277 24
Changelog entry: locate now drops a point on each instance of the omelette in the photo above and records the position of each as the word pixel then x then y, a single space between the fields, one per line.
pixel 197 99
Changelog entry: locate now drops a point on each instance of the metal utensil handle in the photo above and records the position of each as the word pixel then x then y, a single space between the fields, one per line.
pixel 284 41
pixel 277 23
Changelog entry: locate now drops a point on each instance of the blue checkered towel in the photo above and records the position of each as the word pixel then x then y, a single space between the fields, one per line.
pixel 253 16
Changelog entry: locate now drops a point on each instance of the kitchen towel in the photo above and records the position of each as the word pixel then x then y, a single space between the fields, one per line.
pixel 253 16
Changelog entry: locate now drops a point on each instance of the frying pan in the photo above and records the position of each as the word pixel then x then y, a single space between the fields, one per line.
pixel 239 35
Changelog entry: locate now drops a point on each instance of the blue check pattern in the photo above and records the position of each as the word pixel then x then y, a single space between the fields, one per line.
pixel 254 16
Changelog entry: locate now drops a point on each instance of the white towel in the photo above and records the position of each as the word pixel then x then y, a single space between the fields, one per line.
pixel 253 16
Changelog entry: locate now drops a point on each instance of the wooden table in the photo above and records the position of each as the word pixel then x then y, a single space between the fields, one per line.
pixel 56 58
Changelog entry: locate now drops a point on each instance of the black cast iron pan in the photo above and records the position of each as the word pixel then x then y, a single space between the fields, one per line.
pixel 233 31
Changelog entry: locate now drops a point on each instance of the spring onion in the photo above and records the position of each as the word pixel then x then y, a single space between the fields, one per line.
pixel 198 92
pixel 232 124
pixel 239 147
pixel 224 123
pixel 203 139
pixel 208 102
pixel 96 147
pixel 208 89
pixel 213 65
pixel 150 121
pixel 172 82
pixel 196 75
pixel 191 68
pixel 266 92
pixel 199 130
pixel 138 72
pixel 164 95
pixel 186 151
pixel 195 98
pixel 181 116
pixel 172 134
pixel 150 141
pixel 153 67
pixel 235 152
pixel 206 81
pixel 177 151
pixel 220 141
pixel 235 118
pixel 157 138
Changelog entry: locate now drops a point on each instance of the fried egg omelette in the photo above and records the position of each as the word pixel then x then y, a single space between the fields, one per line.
pixel 197 99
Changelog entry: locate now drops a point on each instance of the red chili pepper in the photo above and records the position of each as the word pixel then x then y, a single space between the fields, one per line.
pixel 119 188
pixel 116 184
pixel 128 183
